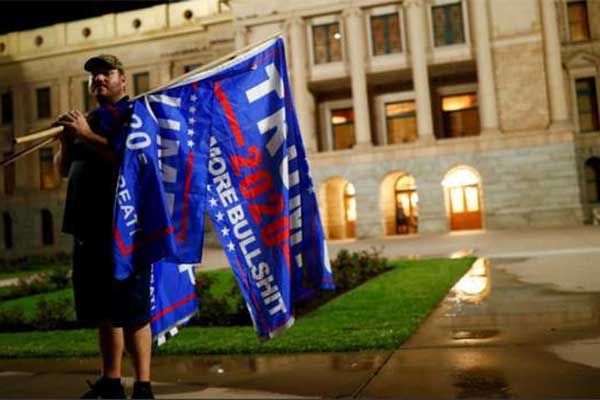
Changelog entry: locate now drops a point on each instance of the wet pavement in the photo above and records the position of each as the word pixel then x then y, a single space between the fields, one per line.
pixel 524 325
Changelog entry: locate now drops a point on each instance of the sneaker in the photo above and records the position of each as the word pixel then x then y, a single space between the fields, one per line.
pixel 105 388
pixel 142 390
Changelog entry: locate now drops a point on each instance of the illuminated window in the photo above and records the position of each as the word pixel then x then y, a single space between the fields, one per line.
pixel 592 179
pixel 385 32
pixel 8 230
pixel 579 28
pixel 342 127
pixel 401 122
pixel 448 24
pixel 9 176
pixel 406 202
pixel 350 202
pixel 48 178
pixel 141 83
pixel 460 115
pixel 587 104
pixel 6 110
pixel 47 228
pixel 327 43
pixel 43 103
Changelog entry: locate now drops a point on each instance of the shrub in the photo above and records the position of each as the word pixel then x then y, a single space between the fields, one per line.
pixel 54 314
pixel 59 278
pixel 12 319
pixel 352 269
pixel 228 310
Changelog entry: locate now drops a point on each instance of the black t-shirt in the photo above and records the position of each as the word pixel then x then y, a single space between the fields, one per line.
pixel 92 180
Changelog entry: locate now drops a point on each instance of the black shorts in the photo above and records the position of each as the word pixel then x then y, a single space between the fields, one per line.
pixel 99 296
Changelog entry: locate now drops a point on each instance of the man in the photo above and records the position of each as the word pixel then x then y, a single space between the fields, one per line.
pixel 120 310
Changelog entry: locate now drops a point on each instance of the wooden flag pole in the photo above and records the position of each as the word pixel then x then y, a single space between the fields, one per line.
pixel 14 157
pixel 43 134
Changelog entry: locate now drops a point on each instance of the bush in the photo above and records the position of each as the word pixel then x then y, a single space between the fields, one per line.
pixel 54 314
pixel 353 269
pixel 33 263
pixel 229 310
pixel 12 319
pixel 57 279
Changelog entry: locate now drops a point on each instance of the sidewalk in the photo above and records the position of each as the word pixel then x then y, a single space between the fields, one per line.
pixel 527 326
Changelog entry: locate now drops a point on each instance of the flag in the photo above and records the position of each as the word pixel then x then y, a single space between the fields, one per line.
pixel 226 140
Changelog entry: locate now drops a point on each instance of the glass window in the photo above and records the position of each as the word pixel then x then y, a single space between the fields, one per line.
pixel 43 103
pixel 9 176
pixel 587 104
pixel 448 24
pixel 47 228
pixel 460 114
pixel 342 127
pixel 385 32
pixel 401 122
pixel 578 21
pixel 592 179
pixel 327 43
pixel 141 83
pixel 8 230
pixel 48 178
pixel 7 108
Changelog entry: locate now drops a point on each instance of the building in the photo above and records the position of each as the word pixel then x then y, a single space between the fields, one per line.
pixel 419 115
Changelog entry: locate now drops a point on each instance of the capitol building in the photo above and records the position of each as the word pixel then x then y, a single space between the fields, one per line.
pixel 419 116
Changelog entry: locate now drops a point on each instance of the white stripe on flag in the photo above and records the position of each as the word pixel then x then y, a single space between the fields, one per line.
pixel 169 124
pixel 164 99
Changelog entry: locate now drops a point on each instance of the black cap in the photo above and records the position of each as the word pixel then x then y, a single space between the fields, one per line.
pixel 103 60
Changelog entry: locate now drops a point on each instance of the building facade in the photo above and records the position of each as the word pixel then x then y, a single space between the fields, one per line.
pixel 418 115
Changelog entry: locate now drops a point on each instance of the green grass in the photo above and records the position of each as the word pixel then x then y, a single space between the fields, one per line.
pixel 378 315
pixel 222 280
pixel 29 303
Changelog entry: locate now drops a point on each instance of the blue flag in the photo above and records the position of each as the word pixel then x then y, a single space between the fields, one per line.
pixel 228 140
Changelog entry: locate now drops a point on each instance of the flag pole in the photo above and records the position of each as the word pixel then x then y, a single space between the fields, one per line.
pixel 14 157
pixel 43 134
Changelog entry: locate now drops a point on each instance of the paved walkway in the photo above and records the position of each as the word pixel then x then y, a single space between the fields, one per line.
pixel 525 325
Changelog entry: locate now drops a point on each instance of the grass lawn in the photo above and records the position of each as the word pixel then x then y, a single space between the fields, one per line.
pixel 380 314
pixel 29 303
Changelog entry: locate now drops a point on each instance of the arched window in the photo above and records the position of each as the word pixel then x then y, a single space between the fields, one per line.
pixel 47 228
pixel 338 207
pixel 8 230
pixel 592 179
pixel 350 209
pixel 406 199
pixel 463 193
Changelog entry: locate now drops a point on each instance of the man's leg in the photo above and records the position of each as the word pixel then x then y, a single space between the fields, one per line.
pixel 110 341
pixel 138 340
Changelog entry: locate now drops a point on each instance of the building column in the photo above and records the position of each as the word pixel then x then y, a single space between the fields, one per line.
pixel 418 44
pixel 303 99
pixel 488 112
pixel 559 114
pixel 239 36
pixel 356 46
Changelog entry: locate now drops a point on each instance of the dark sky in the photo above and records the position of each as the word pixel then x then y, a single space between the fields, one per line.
pixel 24 14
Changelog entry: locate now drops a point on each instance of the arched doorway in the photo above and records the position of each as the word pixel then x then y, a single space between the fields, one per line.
pixel 399 204
pixel 462 187
pixel 338 208
pixel 592 179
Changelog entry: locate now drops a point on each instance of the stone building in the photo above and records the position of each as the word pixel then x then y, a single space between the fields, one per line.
pixel 419 115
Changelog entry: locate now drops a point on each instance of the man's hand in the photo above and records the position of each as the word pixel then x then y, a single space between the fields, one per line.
pixel 75 124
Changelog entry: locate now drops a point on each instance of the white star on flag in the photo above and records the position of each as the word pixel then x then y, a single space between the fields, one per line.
pixel 193 97
pixel 310 189
pixel 219 216
pixel 192 109
pixel 191 143
pixel 230 246
pixel 225 231
pixel 213 202
pixel 191 120
pixel 191 132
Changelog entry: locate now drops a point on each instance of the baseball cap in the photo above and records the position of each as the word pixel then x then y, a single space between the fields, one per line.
pixel 103 60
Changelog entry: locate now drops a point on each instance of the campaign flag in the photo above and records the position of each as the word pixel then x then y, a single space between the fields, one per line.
pixel 226 139
pixel 173 299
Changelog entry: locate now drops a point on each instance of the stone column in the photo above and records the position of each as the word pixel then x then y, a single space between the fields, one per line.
pixel 303 99
pixel 356 45
pixel 558 100
pixel 488 112
pixel 418 44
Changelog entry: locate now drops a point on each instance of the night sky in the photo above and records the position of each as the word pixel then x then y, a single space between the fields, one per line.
pixel 24 14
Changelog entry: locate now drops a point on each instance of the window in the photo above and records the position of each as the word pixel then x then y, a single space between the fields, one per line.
pixel 141 83
pixel 342 128
pixel 8 230
pixel 327 43
pixel 190 67
pixel 460 114
pixel 587 104
pixel 43 103
pixel 7 108
pixel 47 173
pixel 577 14
pixel 385 32
pixel 448 24
pixel 401 122
pixel 88 101
pixel 9 176
pixel 592 179
pixel 47 228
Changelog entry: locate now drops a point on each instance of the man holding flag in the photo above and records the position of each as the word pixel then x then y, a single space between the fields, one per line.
pixel 119 309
